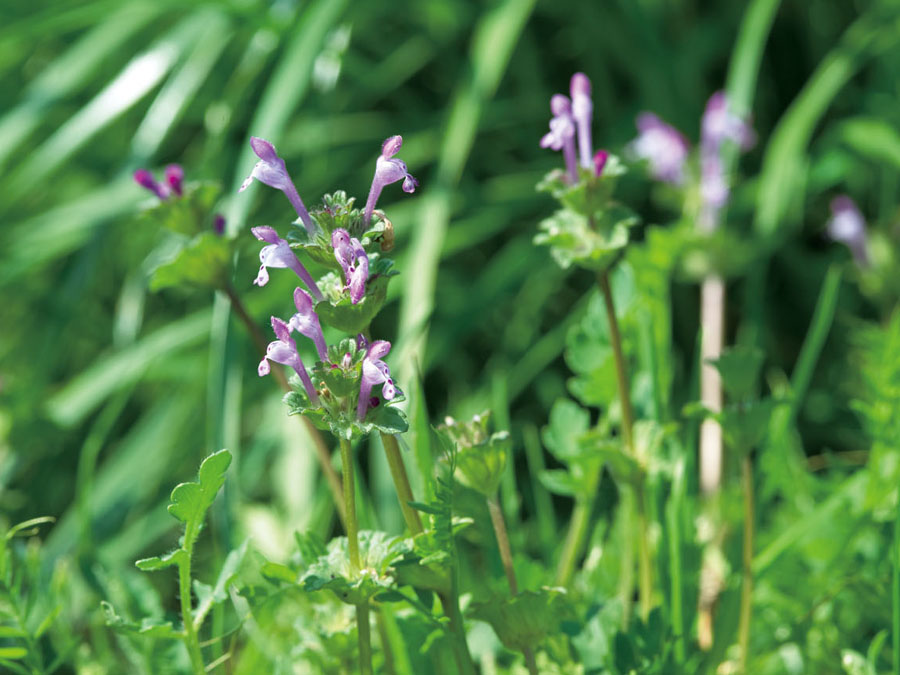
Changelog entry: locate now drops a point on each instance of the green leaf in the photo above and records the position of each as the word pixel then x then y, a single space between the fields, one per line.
pixel 560 482
pixel 147 628
pixel 155 563
pixel 338 310
pixel 739 367
pixel 13 653
pixel 190 214
pixel 205 262
pixel 568 422
pixel 190 501
pixel 377 551
pixel 572 240
pixel 208 596
pixel 482 465
pixel 526 619
pixel 746 425
pixel 389 419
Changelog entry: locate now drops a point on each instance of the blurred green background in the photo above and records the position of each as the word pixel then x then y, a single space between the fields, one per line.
pixel 110 394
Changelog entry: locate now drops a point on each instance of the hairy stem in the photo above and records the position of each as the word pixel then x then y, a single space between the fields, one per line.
pixel 645 578
pixel 747 571
pixel 401 482
pixel 506 557
pixel 191 640
pixel 323 454
pixel 362 609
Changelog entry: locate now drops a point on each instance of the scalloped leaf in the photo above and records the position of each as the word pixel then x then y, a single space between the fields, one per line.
pixel 190 501
pixel 155 563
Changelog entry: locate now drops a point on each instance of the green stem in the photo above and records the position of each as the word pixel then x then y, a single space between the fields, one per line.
pixel 457 629
pixel 646 569
pixel 401 482
pixel 578 529
pixel 362 609
pixel 506 556
pixel 895 615
pixel 365 637
pixel 191 640
pixel 747 585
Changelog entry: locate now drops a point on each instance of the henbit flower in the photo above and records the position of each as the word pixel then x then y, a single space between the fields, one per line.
pixel 284 351
pixel 146 180
pixel 848 226
pixel 352 258
pixel 720 124
pixel 219 224
pixel 306 322
pixel 388 169
pixel 279 254
pixel 271 170
pixel 562 133
pixel 662 146
pixel 374 371
pixel 174 177
pixel 583 112
pixel 599 161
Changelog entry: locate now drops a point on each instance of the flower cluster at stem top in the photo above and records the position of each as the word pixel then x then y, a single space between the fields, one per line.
pixel 337 392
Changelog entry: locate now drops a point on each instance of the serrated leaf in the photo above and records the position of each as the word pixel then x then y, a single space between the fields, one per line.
pixel 190 501
pixel 204 262
pixel 162 562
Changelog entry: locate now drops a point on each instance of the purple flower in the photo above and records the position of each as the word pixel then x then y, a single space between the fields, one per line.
pixel 270 170
pixel 388 169
pixel 562 133
pixel 848 226
pixel 374 371
pixel 306 322
pixel 279 254
pixel 599 161
pixel 284 351
pixel 219 224
pixel 146 180
pixel 353 260
pixel 582 112
pixel 662 146
pixel 721 124
pixel 174 177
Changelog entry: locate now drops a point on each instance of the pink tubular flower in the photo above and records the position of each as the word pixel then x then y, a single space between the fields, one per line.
pixel 162 190
pixel 353 260
pixel 284 351
pixel 848 226
pixel 271 170
pixel 662 146
pixel 374 371
pixel 582 113
pixel 279 254
pixel 388 169
pixel 599 161
pixel 306 322
pixel 562 133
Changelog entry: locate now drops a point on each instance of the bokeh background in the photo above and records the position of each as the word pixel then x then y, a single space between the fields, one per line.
pixel 111 394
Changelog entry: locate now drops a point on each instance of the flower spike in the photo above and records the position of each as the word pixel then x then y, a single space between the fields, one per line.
pixel 306 322
pixel 374 371
pixel 284 351
pixel 352 258
pixel 271 170
pixel 562 133
pixel 279 254
pixel 388 169
pixel 583 112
